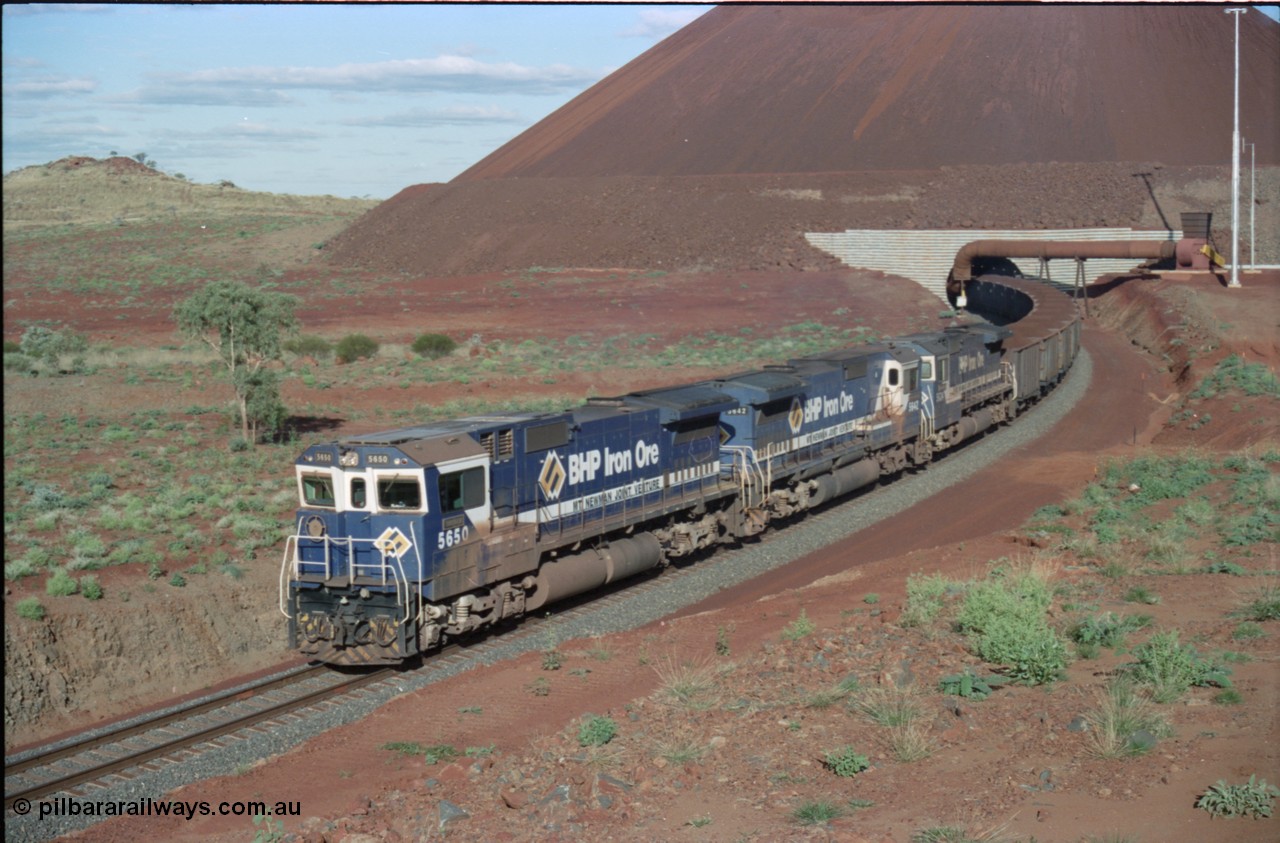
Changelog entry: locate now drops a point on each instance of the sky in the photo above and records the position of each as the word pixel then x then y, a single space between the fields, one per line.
pixel 349 100
pixel 343 99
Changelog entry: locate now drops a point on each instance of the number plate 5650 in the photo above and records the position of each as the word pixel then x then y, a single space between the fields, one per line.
pixel 449 538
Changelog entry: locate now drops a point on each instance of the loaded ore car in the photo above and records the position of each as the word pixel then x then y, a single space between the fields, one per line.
pixel 410 537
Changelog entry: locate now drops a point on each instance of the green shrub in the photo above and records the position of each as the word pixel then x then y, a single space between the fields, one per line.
pixel 925 597
pixel 971 686
pixel 1247 631
pixel 1141 594
pixel 1107 630
pixel 1030 653
pixel 353 347
pixel 1047 513
pixel 1025 597
pixel 15 362
pixel 1005 617
pixel 60 585
pixel 597 731
pixel 722 641
pixel 1264 604
pixel 845 762
pixel 432 754
pixel 1159 478
pixel 1234 373
pixel 90 587
pixel 432 346
pixel 309 345
pixel 1251 799
pixel 30 608
pixel 944 834
pixel 798 628
pixel 1171 668
pixel 820 812
pixel 50 346
pixel 48 496
pixel 1260 525
pixel 35 560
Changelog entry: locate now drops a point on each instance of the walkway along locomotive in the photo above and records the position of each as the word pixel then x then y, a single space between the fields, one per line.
pixel 408 537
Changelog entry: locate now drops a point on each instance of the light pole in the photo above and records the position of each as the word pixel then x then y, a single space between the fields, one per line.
pixel 1235 163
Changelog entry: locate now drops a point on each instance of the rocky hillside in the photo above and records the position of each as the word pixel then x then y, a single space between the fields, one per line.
pixel 84 190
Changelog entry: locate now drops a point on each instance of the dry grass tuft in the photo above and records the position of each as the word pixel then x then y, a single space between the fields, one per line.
pixel 1122 711
pixel 691 686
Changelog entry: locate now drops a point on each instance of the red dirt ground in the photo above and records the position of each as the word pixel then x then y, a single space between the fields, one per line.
pixel 987 769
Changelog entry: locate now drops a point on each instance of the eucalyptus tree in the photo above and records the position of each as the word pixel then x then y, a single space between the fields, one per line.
pixel 246 327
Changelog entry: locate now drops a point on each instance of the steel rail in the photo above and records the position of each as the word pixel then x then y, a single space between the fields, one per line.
pixel 141 756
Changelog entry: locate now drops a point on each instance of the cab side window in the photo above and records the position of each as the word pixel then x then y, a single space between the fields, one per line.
pixel 317 491
pixel 462 489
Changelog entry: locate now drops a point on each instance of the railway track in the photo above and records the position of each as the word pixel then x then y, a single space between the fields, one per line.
pixel 91 765
pixel 83 764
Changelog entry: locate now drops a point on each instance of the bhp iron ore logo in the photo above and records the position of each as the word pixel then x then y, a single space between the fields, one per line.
pixel 552 477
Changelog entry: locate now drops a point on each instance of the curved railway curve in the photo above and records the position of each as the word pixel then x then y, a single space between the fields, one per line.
pixel 1028 305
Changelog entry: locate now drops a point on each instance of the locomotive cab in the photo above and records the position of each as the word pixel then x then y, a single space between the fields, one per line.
pixel 384 523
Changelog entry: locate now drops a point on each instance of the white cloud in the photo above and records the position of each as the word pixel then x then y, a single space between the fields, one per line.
pixel 443 73
pixel 21 62
pixel 247 130
pixel 203 95
pixel 46 86
pixel 461 115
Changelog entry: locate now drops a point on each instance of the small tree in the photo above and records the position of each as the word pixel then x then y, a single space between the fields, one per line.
pixel 263 406
pixel 246 327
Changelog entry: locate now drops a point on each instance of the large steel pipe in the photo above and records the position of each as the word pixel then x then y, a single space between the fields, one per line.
pixel 962 268
pixel 579 572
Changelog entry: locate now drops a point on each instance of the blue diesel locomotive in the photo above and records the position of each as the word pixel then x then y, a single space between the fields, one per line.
pixel 410 537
